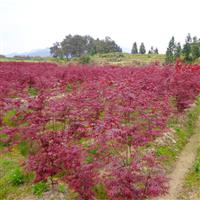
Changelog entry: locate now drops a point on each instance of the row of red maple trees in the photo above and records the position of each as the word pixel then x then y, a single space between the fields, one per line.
pixel 89 125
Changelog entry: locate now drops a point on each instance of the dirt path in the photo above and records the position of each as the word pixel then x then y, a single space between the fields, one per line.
pixel 183 164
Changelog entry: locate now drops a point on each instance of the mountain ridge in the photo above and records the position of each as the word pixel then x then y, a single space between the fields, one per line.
pixel 33 53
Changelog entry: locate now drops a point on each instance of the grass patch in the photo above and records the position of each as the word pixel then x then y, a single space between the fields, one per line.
pixel 62 188
pixel 166 151
pixel 13 181
pixel 100 192
pixel 39 188
pixel 192 180
pixel 183 131
pixel 69 88
pixel 24 148
pixel 32 91
pixel 193 177
pixel 7 118
pixel 127 59
pixel 16 177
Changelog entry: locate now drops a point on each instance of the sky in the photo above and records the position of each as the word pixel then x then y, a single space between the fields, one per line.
pixel 26 25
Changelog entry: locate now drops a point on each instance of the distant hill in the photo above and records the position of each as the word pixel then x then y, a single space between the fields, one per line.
pixel 33 53
pixel 126 50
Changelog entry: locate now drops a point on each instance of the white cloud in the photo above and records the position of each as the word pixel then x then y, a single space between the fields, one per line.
pixel 32 24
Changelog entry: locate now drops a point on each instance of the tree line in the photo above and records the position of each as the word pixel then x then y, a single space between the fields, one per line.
pixel 189 52
pixel 77 46
pixel 142 49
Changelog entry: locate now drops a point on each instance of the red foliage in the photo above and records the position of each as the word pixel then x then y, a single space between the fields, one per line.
pixel 86 123
pixel 140 179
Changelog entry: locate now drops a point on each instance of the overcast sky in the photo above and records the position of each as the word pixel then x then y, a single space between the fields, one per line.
pixel 32 24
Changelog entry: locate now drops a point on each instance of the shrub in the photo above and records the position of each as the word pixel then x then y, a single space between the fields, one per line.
pixel 85 59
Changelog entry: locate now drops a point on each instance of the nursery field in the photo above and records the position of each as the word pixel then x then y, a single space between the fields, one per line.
pixel 92 132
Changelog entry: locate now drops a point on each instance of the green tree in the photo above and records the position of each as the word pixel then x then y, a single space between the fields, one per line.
pixel 190 51
pixel 56 50
pixel 178 50
pixel 195 50
pixel 151 51
pixel 195 40
pixel 109 45
pixel 156 51
pixel 170 53
pixel 134 48
pixel 77 46
pixel 188 38
pixel 67 47
pixel 142 48
pixel 187 50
